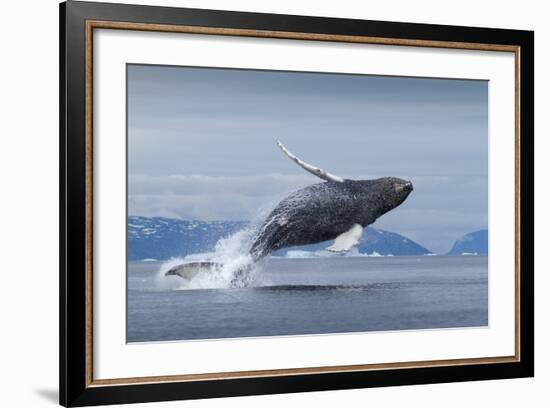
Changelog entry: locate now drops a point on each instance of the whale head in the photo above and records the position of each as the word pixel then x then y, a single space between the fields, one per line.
pixel 381 195
pixel 397 190
pixel 372 198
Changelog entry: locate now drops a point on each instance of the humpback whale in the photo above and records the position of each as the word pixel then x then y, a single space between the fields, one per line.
pixel 337 209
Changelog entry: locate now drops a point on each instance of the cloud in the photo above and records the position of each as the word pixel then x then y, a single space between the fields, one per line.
pixel 251 186
pixel 438 211
pixel 201 143
pixel 209 197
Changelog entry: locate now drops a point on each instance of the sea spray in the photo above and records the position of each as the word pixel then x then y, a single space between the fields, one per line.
pixel 232 266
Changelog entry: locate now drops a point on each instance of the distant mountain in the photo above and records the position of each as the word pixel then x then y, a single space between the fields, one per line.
pixel 163 238
pixel 373 242
pixel 474 243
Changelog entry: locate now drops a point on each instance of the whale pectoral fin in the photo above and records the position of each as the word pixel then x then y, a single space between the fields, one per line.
pixel 325 175
pixel 347 240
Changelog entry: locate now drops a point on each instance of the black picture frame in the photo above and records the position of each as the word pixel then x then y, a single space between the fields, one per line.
pixel 75 386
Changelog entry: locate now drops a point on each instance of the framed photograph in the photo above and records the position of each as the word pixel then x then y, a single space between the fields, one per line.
pixel 256 203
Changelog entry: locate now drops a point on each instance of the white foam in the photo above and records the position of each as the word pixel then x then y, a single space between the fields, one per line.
pixel 232 265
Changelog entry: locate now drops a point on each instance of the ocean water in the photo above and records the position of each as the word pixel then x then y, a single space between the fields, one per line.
pixel 311 296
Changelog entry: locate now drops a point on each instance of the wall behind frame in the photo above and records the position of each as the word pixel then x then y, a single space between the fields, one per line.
pixel 29 205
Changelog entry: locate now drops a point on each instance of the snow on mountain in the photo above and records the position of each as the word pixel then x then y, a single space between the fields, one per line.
pixel 164 238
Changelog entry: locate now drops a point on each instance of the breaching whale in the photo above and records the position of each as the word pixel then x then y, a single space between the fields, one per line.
pixel 337 209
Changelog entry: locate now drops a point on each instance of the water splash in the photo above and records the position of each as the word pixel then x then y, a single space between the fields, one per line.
pixel 232 266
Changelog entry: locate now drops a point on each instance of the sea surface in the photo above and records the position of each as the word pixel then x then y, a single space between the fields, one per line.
pixel 312 296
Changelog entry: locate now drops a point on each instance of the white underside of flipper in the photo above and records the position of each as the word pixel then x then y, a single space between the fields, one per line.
pixel 347 240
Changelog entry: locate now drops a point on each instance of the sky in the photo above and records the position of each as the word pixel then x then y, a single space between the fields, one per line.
pixel 202 143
